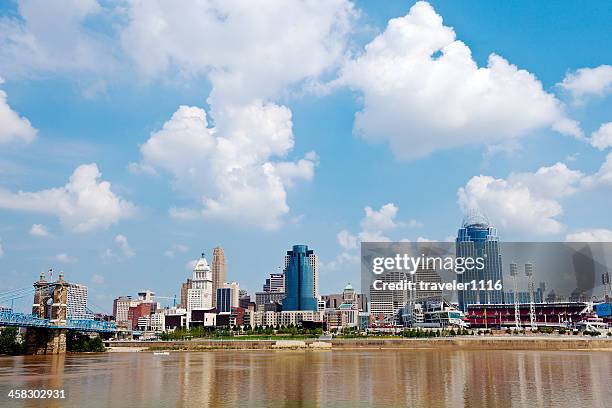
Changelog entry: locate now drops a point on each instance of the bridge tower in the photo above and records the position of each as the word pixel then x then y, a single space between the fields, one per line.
pixel 50 302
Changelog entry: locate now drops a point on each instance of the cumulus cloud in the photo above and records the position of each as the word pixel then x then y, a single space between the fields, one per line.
pixel 374 227
pixel 12 126
pixel 124 246
pixel 346 240
pixel 53 38
pixel 590 235
pixel 512 207
pixel 602 137
pixel 65 258
pixel 586 82
pixel 236 169
pixel 230 168
pixel 39 230
pixel 247 52
pixel 552 182
pixel 603 177
pixel 84 204
pixel 423 91
pixel 530 201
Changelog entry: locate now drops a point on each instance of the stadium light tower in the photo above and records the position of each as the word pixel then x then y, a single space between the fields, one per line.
pixel 605 279
pixel 517 312
pixel 531 288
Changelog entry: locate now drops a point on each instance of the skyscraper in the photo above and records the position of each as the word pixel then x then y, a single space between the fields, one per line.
pixel 478 239
pixel 219 271
pixel 275 283
pixel 76 307
pixel 200 295
pixel 299 280
pixel 224 300
pixel 313 261
pixel 184 292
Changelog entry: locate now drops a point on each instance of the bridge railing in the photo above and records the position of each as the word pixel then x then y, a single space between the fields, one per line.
pixel 10 318
pixel 91 325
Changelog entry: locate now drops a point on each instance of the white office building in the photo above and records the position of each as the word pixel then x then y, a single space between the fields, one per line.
pixel 76 303
pixel 200 295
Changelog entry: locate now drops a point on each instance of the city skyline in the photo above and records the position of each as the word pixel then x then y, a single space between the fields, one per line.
pixel 95 161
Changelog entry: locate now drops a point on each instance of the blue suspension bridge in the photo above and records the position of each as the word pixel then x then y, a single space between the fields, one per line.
pixel 46 326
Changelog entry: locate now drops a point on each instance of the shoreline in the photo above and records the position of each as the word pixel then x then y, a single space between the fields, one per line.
pixel 456 343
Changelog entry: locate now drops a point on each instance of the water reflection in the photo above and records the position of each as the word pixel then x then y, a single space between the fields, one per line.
pixel 421 378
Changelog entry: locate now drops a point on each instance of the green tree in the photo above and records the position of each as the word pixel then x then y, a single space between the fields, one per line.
pixel 8 342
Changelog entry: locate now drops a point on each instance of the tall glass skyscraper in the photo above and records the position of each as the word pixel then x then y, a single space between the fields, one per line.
pixel 477 238
pixel 299 280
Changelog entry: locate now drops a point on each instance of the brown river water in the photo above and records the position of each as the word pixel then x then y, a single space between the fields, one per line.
pixel 343 378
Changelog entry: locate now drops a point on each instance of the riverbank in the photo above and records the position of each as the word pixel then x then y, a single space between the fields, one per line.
pixel 468 343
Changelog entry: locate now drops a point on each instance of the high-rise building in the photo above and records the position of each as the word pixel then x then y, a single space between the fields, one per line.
pixel 184 292
pixel 299 280
pixel 275 283
pixel 224 300
pixel 478 239
pixel 313 261
pixel 200 296
pixel 121 305
pixel 228 297
pixel 234 293
pixel 76 302
pixel 385 303
pixel 430 275
pixel 219 271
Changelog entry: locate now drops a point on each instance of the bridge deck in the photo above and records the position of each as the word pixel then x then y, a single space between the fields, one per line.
pixel 9 318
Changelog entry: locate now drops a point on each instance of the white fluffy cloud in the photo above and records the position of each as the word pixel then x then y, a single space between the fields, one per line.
pixel 604 174
pixel 590 235
pixel 39 230
pixel 229 168
pixel 423 91
pixel 249 51
pixel 588 81
pixel 530 201
pixel 124 246
pixel 374 227
pixel 53 37
pixel 346 240
pixel 511 206
pixel 84 204
pixel 551 182
pixel 12 126
pixel 602 137
pixel 252 55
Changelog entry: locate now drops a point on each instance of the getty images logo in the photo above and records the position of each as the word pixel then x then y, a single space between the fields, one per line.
pixel 410 264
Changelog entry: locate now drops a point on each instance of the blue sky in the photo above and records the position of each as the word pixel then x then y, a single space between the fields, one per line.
pixel 437 131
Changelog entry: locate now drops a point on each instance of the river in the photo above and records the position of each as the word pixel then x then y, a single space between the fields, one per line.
pixel 343 378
